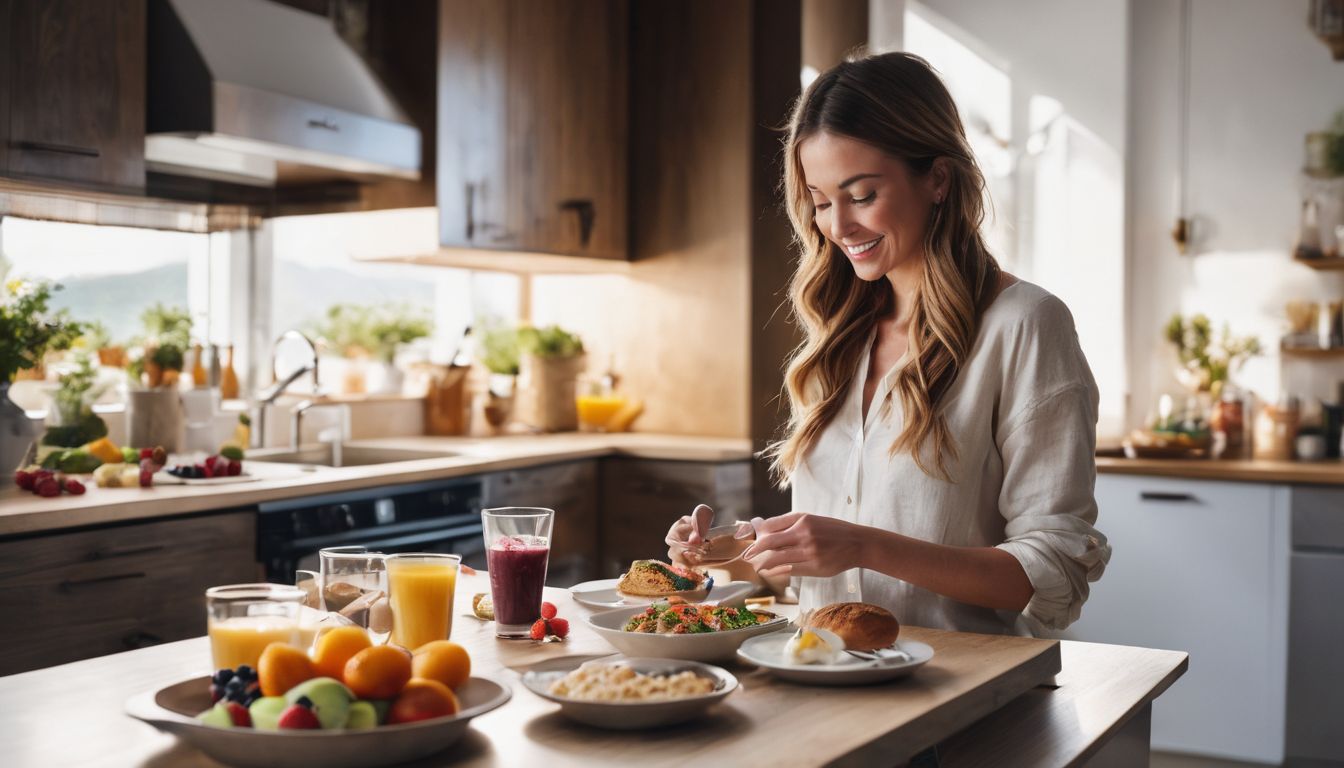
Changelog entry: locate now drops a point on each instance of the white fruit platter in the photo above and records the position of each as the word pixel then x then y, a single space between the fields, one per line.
pixel 173 710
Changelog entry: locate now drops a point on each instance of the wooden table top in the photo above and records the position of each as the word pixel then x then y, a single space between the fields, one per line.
pixel 73 714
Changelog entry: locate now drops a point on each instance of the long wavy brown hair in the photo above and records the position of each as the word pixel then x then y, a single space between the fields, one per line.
pixel 897 103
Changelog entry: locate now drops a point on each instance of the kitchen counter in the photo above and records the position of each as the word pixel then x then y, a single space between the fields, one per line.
pixel 22 512
pixel 1328 472
pixel 1100 709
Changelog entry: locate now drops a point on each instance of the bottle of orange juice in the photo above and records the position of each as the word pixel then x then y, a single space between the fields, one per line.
pixel 420 592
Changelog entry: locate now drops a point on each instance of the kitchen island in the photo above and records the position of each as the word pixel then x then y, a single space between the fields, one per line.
pixel 73 714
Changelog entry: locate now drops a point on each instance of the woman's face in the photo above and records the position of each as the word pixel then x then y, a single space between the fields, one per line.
pixel 868 203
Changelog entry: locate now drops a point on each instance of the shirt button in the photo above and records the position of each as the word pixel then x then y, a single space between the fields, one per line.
pixel 849 500
pixel 852 588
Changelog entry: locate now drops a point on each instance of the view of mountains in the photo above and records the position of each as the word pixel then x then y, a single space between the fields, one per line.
pixel 117 300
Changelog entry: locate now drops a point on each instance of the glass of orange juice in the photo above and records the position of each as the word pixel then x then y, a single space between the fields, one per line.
pixel 597 402
pixel 242 619
pixel 420 589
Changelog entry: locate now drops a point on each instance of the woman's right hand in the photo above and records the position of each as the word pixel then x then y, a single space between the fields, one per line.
pixel 686 538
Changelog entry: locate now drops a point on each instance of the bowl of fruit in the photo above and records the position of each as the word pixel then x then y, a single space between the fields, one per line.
pixel 349 703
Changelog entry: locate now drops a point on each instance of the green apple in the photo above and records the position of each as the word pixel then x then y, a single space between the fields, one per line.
pixel 331 700
pixel 217 716
pixel 362 716
pixel 266 712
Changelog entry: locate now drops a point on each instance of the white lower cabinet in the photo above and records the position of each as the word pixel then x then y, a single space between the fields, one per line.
pixel 1201 567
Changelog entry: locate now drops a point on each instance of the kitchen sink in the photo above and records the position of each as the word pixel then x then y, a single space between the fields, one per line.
pixel 344 455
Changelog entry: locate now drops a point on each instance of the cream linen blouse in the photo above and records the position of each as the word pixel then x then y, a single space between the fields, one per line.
pixel 1023 413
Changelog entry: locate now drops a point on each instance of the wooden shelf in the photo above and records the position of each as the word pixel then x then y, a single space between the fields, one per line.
pixel 1314 353
pixel 1324 264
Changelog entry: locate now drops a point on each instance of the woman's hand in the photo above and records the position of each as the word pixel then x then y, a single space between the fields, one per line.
pixel 800 544
pixel 686 538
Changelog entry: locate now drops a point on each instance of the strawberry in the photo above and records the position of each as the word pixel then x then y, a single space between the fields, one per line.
pixel 559 627
pixel 548 611
pixel 241 717
pixel 48 487
pixel 146 453
pixel 73 486
pixel 539 629
pixel 298 717
pixel 235 468
pixel 25 480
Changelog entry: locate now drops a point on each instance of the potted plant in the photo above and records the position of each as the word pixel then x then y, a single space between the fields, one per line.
pixel 344 329
pixel 154 410
pixel 499 354
pixel 548 368
pixel 389 329
pixel 1207 361
pixel 29 328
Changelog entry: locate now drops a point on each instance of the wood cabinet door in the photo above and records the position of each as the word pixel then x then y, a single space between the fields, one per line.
pixel 77 91
pixel 532 130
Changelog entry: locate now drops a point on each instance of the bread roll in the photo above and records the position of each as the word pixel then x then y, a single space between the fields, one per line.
pixel 860 625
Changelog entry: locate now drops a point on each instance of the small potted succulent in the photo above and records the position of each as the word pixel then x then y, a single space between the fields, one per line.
pixel 29 328
pixel 154 409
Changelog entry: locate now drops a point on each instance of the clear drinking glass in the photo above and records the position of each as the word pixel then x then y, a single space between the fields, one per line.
pixel 420 588
pixel 518 546
pixel 354 584
pixel 242 619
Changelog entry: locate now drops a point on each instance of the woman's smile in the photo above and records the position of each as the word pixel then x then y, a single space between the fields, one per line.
pixel 860 251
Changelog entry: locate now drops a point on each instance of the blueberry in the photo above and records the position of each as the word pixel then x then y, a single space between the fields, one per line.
pixel 246 672
pixel 305 702
pixel 234 686
pixel 222 676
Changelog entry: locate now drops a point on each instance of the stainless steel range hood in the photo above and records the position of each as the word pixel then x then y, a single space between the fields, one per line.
pixel 254 92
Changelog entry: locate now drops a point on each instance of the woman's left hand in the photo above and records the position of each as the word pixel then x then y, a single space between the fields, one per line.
pixel 801 544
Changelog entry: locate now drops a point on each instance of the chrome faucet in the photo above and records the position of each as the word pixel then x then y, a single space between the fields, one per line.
pixel 269 395
pixel 296 426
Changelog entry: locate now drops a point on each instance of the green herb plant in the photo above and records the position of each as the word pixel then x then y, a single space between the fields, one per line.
pixel 551 341
pixel 356 330
pixel 499 349
pixel 29 328
pixel 1207 358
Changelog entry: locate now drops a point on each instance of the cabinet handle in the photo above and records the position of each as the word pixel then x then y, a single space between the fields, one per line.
pixel 587 213
pixel 68 584
pixel 108 554
pixel 324 124
pixel 64 149
pixel 1164 496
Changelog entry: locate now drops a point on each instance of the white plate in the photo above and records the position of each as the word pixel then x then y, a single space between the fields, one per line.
pixel 708 646
pixel 768 652
pixel 163 478
pixel 602 594
pixel 173 710
pixel 629 715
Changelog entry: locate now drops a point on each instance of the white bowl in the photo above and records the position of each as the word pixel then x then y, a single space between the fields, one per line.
pixel 173 709
pixel 707 646
pixel 630 715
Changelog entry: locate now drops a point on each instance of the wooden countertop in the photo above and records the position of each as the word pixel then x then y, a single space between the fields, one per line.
pixel 73 714
pixel 22 512
pixel 1328 472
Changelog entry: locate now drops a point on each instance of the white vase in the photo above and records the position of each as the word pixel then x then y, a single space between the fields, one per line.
pixel 390 380
pixel 16 432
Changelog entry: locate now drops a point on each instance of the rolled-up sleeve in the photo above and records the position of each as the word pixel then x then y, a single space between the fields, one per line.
pixel 1048 501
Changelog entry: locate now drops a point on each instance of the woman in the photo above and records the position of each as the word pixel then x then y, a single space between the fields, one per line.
pixel 943 417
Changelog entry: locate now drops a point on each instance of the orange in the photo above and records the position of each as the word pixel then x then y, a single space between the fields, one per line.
pixel 442 660
pixel 335 647
pixel 378 672
pixel 421 700
pixel 281 667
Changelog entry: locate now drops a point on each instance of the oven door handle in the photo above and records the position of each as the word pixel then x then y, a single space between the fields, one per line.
pixel 439 534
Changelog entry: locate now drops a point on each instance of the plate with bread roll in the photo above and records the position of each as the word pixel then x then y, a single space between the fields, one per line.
pixel 839 644
pixel 649 581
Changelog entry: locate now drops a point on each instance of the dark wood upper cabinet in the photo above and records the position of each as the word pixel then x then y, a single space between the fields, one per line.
pixel 76 82
pixel 532 126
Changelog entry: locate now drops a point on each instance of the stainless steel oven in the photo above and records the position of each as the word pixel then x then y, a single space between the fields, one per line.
pixel 438 516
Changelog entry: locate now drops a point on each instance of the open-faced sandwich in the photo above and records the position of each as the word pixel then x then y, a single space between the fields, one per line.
pixel 667 619
pixel 650 578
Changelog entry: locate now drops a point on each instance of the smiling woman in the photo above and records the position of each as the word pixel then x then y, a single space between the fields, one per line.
pixel 940 446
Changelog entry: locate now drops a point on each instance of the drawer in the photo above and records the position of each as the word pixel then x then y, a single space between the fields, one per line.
pixel 101 591
pixel 1318 518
